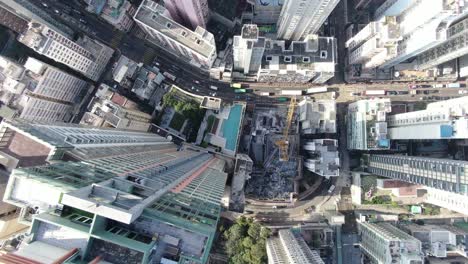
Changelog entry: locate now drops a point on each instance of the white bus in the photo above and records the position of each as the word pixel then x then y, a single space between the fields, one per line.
pixel 321 89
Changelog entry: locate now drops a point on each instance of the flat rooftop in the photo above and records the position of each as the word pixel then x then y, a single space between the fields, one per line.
pixel 153 15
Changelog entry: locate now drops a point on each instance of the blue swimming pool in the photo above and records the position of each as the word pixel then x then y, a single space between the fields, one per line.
pixel 230 127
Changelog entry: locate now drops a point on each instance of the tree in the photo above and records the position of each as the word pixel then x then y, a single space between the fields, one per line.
pixel 245 242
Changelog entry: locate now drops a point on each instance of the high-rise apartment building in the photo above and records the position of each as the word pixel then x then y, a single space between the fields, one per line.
pixel 196 47
pixel 401 30
pixel 248 50
pixel 367 124
pixel 38 91
pixel 383 243
pixel 446 180
pixel 85 55
pixel 190 13
pixel 120 193
pixel 440 120
pixel 299 18
pixel 317 117
pixel 290 247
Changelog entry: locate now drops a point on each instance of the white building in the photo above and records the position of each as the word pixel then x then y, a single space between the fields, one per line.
pixel 323 157
pixel 248 50
pixel 311 60
pixel 38 91
pixel 317 116
pixel 441 120
pixel 383 243
pixel 376 44
pixel 86 56
pixel 299 18
pixel 290 247
pixel 367 124
pixel 196 47
pixel 119 14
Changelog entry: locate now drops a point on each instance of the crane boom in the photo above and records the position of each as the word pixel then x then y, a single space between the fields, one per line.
pixel 283 143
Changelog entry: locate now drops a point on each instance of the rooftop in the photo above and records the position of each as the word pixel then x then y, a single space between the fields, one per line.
pixel 153 15
pixel 324 157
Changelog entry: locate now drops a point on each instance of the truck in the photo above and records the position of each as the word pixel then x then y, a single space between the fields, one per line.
pixel 332 188
pixel 322 89
pixel 212 87
pixel 291 92
pixel 266 94
pixel 455 85
pixel 236 85
pixel 169 76
pixel 375 92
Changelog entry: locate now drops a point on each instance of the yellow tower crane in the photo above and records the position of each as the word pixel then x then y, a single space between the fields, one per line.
pixel 283 143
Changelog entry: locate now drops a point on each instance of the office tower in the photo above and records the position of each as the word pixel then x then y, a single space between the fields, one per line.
pixel 385 244
pixel 290 247
pixel 266 12
pixel 125 193
pixel 38 91
pixel 196 47
pixel 190 13
pixel 30 12
pixel 401 30
pixel 311 60
pixel 367 124
pixel 248 50
pixel 453 47
pixel 85 55
pixel 440 120
pixel 446 180
pixel 317 117
pixel 299 18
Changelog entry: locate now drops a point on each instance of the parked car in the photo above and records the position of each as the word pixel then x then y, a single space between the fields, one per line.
pixel 392 93
pixel 463 92
pixel 355 94
pixel 430 91
pixel 403 92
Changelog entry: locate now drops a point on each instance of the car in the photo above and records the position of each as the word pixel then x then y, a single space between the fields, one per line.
pixel 197 82
pixel 463 92
pixel 402 92
pixel 193 88
pixel 197 90
pixel 44 5
pixel 430 91
pixel 274 207
pixel 413 86
pixel 157 63
pixel 82 21
pixel 355 94
pixel 392 93
pixel 213 94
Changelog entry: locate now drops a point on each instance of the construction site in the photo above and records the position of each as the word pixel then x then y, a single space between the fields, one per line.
pixel 271 139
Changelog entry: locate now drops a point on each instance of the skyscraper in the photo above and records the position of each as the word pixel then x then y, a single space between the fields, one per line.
pixel 38 91
pixel 85 55
pixel 196 47
pixel 190 13
pixel 120 193
pixel 446 180
pixel 300 18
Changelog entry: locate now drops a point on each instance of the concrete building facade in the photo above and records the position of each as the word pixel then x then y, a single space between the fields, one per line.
pixel 196 47
pixel 38 91
pixel 367 124
pixel 190 13
pixel 446 180
pixel 266 12
pixel 317 117
pixel 441 120
pixel 383 243
pixel 299 18
pixel 290 247
pixel 323 157
pixel 86 56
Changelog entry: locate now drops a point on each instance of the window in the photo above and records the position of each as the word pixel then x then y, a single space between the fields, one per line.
pixel 183 33
pixel 287 59
pixel 323 54
pixel 306 59
pixel 268 58
pixel 168 25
